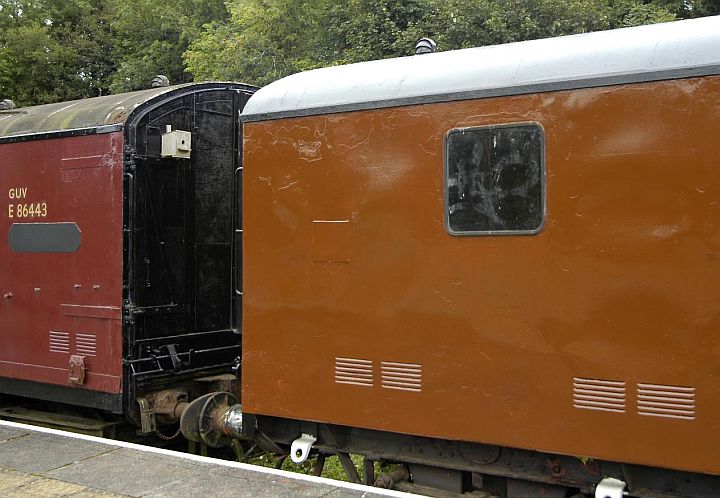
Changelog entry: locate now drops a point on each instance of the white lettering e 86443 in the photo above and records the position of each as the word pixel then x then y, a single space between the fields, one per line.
pixel 25 209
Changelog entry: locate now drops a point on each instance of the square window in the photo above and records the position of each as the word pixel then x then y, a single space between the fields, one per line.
pixel 495 180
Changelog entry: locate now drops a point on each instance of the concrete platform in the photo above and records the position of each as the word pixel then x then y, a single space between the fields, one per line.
pixel 38 462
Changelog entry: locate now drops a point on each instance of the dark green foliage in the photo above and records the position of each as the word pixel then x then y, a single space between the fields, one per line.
pixel 150 38
pixel 266 39
pixel 52 50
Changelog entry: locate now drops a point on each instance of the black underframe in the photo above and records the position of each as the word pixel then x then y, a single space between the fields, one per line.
pixel 488 460
pixel 62 394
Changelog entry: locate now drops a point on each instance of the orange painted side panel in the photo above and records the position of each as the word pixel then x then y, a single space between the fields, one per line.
pixel 353 287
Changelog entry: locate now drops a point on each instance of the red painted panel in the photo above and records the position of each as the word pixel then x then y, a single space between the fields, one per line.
pixel 57 304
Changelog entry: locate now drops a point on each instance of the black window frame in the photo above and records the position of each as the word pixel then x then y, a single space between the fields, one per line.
pixel 543 181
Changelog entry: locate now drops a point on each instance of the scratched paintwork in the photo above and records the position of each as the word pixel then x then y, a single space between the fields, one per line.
pixel 52 304
pixel 623 282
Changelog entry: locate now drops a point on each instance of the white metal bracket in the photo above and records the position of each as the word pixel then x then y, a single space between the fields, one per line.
pixel 300 448
pixel 610 488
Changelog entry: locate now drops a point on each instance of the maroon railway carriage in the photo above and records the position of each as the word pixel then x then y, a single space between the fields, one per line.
pixel 117 275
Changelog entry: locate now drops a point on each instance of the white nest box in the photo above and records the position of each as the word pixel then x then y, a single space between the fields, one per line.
pixel 176 143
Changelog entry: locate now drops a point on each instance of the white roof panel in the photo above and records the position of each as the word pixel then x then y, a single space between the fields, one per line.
pixel 645 53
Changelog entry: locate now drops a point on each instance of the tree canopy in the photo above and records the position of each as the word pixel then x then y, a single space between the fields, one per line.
pixel 54 50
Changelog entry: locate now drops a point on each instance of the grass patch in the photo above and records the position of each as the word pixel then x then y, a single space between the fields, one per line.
pixel 333 468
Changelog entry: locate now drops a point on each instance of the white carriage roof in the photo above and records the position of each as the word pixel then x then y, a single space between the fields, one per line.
pixel 678 49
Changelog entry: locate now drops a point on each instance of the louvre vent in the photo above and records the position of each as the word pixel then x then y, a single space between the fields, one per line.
pixel 596 394
pixel 402 376
pixel 656 400
pixel 85 344
pixel 59 342
pixel 354 371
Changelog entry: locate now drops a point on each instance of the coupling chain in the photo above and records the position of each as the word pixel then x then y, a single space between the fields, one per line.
pixel 167 438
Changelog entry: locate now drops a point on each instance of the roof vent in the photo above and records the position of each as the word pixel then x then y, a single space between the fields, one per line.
pixel 6 105
pixel 425 46
pixel 159 81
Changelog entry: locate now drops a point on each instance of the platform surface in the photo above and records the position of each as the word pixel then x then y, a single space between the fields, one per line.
pixel 38 462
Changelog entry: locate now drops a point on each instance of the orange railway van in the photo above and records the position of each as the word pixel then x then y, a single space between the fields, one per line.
pixel 501 261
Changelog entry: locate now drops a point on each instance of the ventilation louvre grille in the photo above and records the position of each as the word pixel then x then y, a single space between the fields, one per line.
pixel 402 376
pixel 85 344
pixel 59 342
pixel 354 371
pixel 656 400
pixel 596 394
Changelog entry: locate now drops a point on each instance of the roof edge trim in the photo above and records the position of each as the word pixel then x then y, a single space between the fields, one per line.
pixel 545 87
pixel 73 132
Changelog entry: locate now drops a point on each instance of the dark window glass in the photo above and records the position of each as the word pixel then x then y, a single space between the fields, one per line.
pixel 44 237
pixel 495 179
